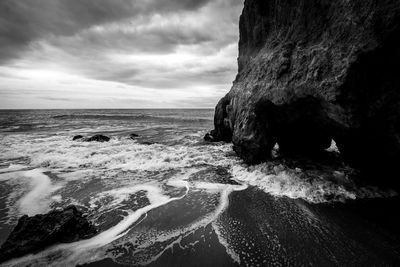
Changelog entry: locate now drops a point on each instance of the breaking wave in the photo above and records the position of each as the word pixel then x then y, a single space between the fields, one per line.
pixel 280 180
pixel 125 155
pixel 119 159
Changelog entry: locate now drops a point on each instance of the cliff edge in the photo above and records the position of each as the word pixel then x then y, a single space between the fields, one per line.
pixel 312 71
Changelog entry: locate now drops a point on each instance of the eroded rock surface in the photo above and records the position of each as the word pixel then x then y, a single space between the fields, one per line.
pixel 315 70
pixel 35 233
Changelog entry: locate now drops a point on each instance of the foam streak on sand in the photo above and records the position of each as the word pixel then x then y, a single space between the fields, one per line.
pixel 157 199
pixel 231 252
pixel 82 251
pixel 224 204
pixel 88 250
pixel 224 190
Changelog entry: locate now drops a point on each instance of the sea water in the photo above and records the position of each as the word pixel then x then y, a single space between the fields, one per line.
pixel 167 198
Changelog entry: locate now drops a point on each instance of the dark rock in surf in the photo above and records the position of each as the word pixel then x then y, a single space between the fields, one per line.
pixel 35 233
pixel 133 136
pixel 209 137
pixel 77 137
pixel 223 127
pixel 313 71
pixel 98 138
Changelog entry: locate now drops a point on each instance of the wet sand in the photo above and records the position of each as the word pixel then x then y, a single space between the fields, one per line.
pixel 264 230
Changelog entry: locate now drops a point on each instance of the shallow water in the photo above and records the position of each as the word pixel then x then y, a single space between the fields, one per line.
pixel 167 198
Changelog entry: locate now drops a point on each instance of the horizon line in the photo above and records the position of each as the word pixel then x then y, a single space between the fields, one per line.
pixel 96 108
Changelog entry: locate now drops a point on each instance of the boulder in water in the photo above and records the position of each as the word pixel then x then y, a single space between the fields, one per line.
pixel 77 137
pixel 133 136
pixel 209 137
pixel 35 233
pixel 98 138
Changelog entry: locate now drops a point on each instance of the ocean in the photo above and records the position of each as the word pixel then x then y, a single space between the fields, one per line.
pixel 167 198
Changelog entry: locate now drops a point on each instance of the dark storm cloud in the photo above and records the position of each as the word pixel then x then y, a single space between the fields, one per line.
pixel 22 21
pixel 158 39
pixel 116 53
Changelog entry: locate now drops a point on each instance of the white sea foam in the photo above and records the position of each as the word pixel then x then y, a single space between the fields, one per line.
pixel 85 159
pixel 333 147
pixel 294 183
pixel 6 176
pixel 90 159
pixel 60 153
pixel 13 168
pixel 157 199
pixel 76 175
pixel 37 200
pixel 211 187
pixel 31 191
pixel 88 250
pixel 222 240
pixel 178 234
pixel 286 182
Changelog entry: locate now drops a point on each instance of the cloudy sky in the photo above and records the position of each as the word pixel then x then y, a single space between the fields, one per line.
pixel 117 53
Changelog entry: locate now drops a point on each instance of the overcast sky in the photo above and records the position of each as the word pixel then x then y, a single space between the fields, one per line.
pixel 117 53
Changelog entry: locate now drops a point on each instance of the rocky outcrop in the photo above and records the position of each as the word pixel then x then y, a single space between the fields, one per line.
pixel 94 138
pixel 98 138
pixel 33 234
pixel 315 70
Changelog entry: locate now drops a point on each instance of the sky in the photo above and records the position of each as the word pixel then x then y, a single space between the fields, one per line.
pixel 117 53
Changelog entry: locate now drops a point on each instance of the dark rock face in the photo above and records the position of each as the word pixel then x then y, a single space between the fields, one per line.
pixel 223 127
pixel 315 70
pixel 77 137
pixel 33 234
pixel 98 138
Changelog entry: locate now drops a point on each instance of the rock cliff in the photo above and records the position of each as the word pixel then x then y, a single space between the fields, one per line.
pixel 315 70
